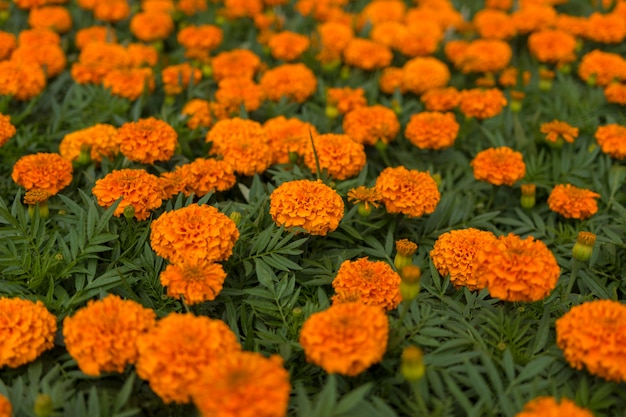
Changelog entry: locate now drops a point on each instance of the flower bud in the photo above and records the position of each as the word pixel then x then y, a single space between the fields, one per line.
pixel 412 364
pixel 583 248
pixel 410 284
pixel 129 212
pixel 364 209
pixel 84 157
pixel 516 101
pixel 43 405
pixel 545 79
pixel 404 253
pixel 332 112
pixel 235 216
pixel 528 196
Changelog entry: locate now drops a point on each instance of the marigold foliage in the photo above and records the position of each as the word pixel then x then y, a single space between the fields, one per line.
pixel 499 166
pixel 432 130
pixel 196 281
pixel 550 407
pixel 612 140
pixel 347 338
pixel 44 171
pixel 407 191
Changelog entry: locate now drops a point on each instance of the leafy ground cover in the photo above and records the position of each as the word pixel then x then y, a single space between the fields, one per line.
pixel 329 208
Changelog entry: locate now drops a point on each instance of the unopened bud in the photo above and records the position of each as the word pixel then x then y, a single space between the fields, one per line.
pixel 43 405
pixel 129 212
pixel 528 196
pixel 410 284
pixel 235 216
pixel 332 112
pixel 404 253
pixel 412 364
pixel 583 249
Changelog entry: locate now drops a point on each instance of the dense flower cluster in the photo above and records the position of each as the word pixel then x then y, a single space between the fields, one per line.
pixel 573 202
pixel 407 191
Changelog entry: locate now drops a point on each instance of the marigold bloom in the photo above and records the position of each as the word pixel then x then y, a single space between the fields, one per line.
pixel 56 18
pixel 615 93
pixel 441 99
pixel 378 11
pixel 232 93
pixel 196 281
pixel 532 18
pixel 311 205
pixel 346 99
pixel 499 166
pixel 612 140
pixel 191 7
pixel 6 409
pixel 516 269
pixel 482 55
pixel 391 79
pixel 199 41
pixel 36 196
pixel 235 63
pixel 583 248
pixel 100 139
pixel 111 10
pixel 601 68
pixel 432 130
pixel 199 113
pixel 129 83
pixel 337 154
pixel 407 191
pixel 142 55
pixel 294 81
pixel 334 38
pixel 453 254
pixel 22 80
pixel 367 55
pixel 556 130
pixel 176 78
pixel 424 73
pixel 606 28
pixel 147 140
pixel 38 36
pixel 286 136
pixel 509 77
pixel 51 58
pixel 201 177
pixel 347 338
pixel 45 171
pixel 365 196
pixel 97 59
pixel 28 329
pixel 193 233
pixel 549 407
pixel 494 24
pixel 421 38
pixel 482 104
pixel 236 9
pixel 178 350
pixel 102 337
pixel 287 45
pixel 573 202
pixel 136 187
pixel 550 45
pixel 370 124
pixel 7 130
pixel 245 383
pixel 8 43
pixel 94 34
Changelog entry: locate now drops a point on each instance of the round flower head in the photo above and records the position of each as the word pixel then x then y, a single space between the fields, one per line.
pixel 151 26
pixel 51 58
pixel 573 202
pixel 347 338
pixel 453 254
pixel 56 18
pixel 366 54
pixel 94 34
pixel 606 28
pixel 516 269
pixel 243 384
pixel 28 330
pixel 407 191
pixel 7 130
pixel 232 93
pixel 601 68
pixel 432 130
pixel 287 45
pixel 533 17
pixel 296 82
pixel 21 80
pixel 199 113
pixel 147 140
pixel 370 124
pixel 550 407
pixel 373 282
pixel 142 55
pixel 615 93
pixel 555 46
pixel 193 233
pixel 441 99
pixel 196 281
pixel 338 154
pixel 494 24
pixel 556 130
pixel 45 171
pixel 203 176
pixel 391 80
pixel 424 73
pixel 111 10
pixel 199 41
pixel 6 409
pixel 101 140
pixel 235 63
pixel 97 59
pixel 8 43
pixel 137 188
pixel 346 99
pixel 593 335
pixel 287 136
pixel 129 83
pixel 176 78
pixel 481 55
pixel 612 140
pixel 102 337
pixel 178 350
pixel 499 166
pixel 311 205
pixel 482 104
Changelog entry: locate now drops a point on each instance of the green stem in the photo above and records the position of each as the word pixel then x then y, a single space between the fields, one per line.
pixel 421 405
pixel 572 278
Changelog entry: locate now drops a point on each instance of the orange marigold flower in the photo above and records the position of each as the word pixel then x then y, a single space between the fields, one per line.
pixel 389 33
pixel 378 11
pixel 574 25
pixel 494 24
pixel 6 409
pixel 242 143
pixel 243 383
pixel 147 140
pixel 7 130
pixel 441 99
pixel 432 130
pixel 482 104
pixel 199 41
pixel 235 63
pixel 421 74
pixel 102 337
pixel 592 335
pixel 197 281
pixel 29 4
pixel 606 28
pixel 137 188
pixel 176 352
pixel 236 9
pixel 232 93
pixel 573 202
pixel 176 78
pixel 45 171
pixel 612 140
pixel 294 81
pixel 346 99
pixel 337 154
pixel 482 55
pixel 375 283
pixel 158 6
pixel 129 83
pixel 142 55
pixel 151 26
pixel 191 7
pixel 370 124
pixel 204 176
pixel 286 136
pixel 100 139
pixel 97 59
pixel 29 330
pixel 38 36
pixel 347 338
pixel 601 68
pixel 516 269
pixel 287 45
pixel 556 130
pixel 615 93
pixel 391 79
pixel 193 233
pixel 549 407
pixel 199 113
pixel 510 77
pixel 532 18
pixel 51 58
pixel 367 55
pixel 550 45
pixel 56 18
pixel 421 38
pixel 8 43
pixel 334 38
pixel 111 10
pixel 311 205
pixel 499 166
pixel 94 34
pixel 499 4
pixel 22 80
pixel 453 254
pixel 36 196
pixel 407 191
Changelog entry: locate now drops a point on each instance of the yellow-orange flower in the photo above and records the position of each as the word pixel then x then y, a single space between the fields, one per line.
pixel 347 338
pixel 370 124
pixel 612 140
pixel 233 92
pixel 102 337
pixel 94 34
pixel 337 154
pixel 45 171
pixel 191 7
pixel 494 24
pixel 366 54
pixel 601 68
pixel 606 28
pixel 199 113
pixel 178 350
pixel 378 11
pixel 287 45
pixel 197 281
pixel 499 166
pixel 293 81
pixel 556 130
pixel 409 192
pixel 6 409
pixel 21 80
pixel 533 17
pixel 573 202
pixel 56 18
pixel 243 384
pixel 199 41
pixel 7 130
pixel 193 233
pixel 453 254
pixel 38 36
pixel 482 104
pixel 615 93
pixel 100 139
pixel 111 10
pixel 129 83
pixel 147 140
pixel 551 45
pixel 421 74
pixel 421 38
pixel 516 269
pixel 151 26
pixel 28 329
pixel 334 37
pixel 391 79
pixel 310 205
pixel 365 196
pixel 372 282
pixel 441 99
pixel 550 407
pixel 287 136
pixel 235 63
pixel 176 78
pixel 593 335
pixel 137 188
pixel 432 130
pixel 346 99
pixel 142 55
pixel 481 55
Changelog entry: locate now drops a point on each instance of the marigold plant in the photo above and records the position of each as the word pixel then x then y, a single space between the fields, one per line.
pixel 129 83
pixel 573 202
pixel 441 99
pixel 612 140
pixel 366 54
pixel 176 78
pixel 56 18
pixel 198 112
pixel 195 281
pixel 554 46
pixel 409 192
pixel 203 176
pixel 370 124
pixel 346 99
pixel 100 141
pixel 235 92
pixel 147 140
pixel 499 166
pixel 601 68
pixel 45 171
pixel 151 26
pixel 432 130
pixel 550 407
pixel 199 41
